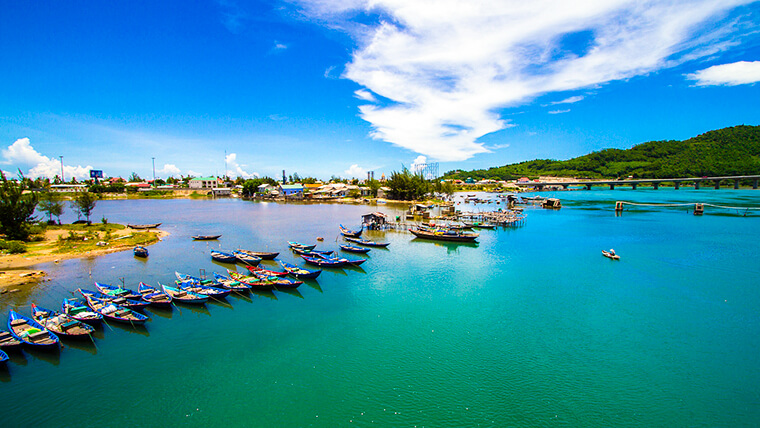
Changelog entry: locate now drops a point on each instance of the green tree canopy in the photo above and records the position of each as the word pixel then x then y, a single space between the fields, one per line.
pixel 16 208
pixel 52 205
pixel 84 203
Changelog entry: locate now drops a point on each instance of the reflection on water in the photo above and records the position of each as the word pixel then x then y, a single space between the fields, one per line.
pixel 161 311
pixel 83 344
pixel 129 328
pixel 52 356
pixel 291 291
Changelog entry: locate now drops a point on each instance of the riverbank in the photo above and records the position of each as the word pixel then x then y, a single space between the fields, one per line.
pixel 62 242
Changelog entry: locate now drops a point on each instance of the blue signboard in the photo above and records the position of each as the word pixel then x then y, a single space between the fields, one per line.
pixel 96 173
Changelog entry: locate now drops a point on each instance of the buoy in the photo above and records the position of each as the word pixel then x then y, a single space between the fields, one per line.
pixel 699 209
pixel 319 238
pixel 619 206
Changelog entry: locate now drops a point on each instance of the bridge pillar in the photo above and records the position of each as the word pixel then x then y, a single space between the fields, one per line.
pixel 717 184
pixel 754 184
pixel 736 184
pixel 656 185
pixel 696 185
pixel 633 186
pixel 540 187
pixel 588 187
pixel 564 186
pixel 612 186
pixel 678 184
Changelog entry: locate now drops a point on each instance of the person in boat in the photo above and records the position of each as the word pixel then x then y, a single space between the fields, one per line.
pixel 612 252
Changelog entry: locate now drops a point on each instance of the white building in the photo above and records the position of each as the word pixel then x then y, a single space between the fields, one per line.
pixel 203 183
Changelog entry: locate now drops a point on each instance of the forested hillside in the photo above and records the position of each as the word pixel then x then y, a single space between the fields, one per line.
pixel 727 151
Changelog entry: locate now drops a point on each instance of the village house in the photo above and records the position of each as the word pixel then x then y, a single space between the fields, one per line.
pixel 203 183
pixel 294 191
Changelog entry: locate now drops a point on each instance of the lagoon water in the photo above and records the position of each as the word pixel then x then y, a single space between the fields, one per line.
pixel 530 327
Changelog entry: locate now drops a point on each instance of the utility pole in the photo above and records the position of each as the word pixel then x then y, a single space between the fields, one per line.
pixel 63 180
pixel 225 165
pixel 154 172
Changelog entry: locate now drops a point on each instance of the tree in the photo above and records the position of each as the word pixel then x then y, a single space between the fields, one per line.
pixel 16 208
pixel 51 205
pixel 84 203
pixel 134 178
pixel 406 186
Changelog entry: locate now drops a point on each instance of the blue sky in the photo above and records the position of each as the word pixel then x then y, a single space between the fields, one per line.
pixel 328 88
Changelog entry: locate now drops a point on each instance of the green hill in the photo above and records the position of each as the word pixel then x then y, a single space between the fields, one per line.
pixel 727 151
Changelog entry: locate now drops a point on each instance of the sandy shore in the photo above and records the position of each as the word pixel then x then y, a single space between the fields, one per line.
pixel 15 269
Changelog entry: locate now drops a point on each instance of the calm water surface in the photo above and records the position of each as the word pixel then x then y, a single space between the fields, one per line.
pixel 530 327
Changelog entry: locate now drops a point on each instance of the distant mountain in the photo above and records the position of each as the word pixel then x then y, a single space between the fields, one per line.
pixel 727 151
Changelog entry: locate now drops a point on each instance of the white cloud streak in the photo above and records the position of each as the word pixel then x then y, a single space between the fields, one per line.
pixel 570 100
pixel 558 111
pixel 355 171
pixel 737 73
pixel 234 169
pixel 448 66
pixel 169 170
pixel 22 155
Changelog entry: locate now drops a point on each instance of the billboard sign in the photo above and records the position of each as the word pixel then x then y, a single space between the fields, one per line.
pixel 96 173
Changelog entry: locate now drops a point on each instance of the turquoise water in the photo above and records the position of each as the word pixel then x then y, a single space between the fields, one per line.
pixel 530 327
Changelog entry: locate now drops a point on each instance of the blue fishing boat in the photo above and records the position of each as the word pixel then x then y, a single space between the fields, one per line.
pixel 121 301
pixel 278 282
pixel 30 332
pixel 323 262
pixel 256 269
pixel 264 255
pixel 221 256
pixel 153 295
pixel 302 252
pixel 355 262
pixel 351 233
pixel 299 272
pixel 354 249
pixel 298 245
pixel 112 311
pixel 3 357
pixel 115 291
pixel 252 281
pixel 183 296
pixel 61 324
pixel 246 258
pixel 231 284
pixel 140 251
pixel 79 310
pixel 367 242
pixel 8 341
pixel 196 285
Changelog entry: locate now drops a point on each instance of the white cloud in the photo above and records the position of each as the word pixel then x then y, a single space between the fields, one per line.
pixel 170 170
pixel 365 95
pixel 21 154
pixel 570 100
pixel 448 65
pixel 417 163
pixel 279 46
pixel 558 111
pixel 234 169
pixel 737 73
pixel 192 173
pixel 356 171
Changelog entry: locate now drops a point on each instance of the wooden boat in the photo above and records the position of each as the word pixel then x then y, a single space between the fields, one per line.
pixel 80 311
pixel 208 290
pixel 278 282
pixel 30 332
pixel 256 269
pixel 143 226
pixel 354 249
pixel 121 301
pixel 480 225
pixel 444 235
pixel 301 252
pixel 3 357
pixel 140 251
pixel 153 295
pixel 322 262
pixel 299 272
pixel 114 312
pixel 231 284
pixel 264 255
pixel 60 324
pixel 367 242
pixel 252 281
pixel 298 245
pixel 221 256
pixel 246 258
pixel 349 232
pixel 116 291
pixel 8 341
pixel 183 296
pixel 206 237
pixel 610 255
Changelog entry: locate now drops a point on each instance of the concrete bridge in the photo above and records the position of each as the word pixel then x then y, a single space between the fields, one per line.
pixel 655 182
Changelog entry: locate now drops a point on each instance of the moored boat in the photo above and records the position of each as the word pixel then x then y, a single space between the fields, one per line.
pixel 348 232
pixel 206 237
pixel 140 251
pixel 278 282
pixel 8 341
pixel 252 281
pixel 183 296
pixel 153 295
pixel 354 249
pixel 143 226
pixel 246 258
pixel 114 312
pixel 264 255
pixel 231 284
pixel 301 246
pixel 121 301
pixel 208 290
pixel 256 269
pixel 3 357
pixel 60 324
pixel 221 256
pixel 115 291
pixel 610 254
pixel 367 242
pixel 299 272
pixel 79 310
pixel 30 332
pixel 323 262
pixel 444 235
pixel 302 252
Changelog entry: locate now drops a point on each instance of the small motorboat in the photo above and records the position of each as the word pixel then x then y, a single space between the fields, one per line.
pixel 61 324
pixel 246 258
pixel 221 256
pixel 206 237
pixel 79 310
pixel 183 296
pixel 367 242
pixel 30 332
pixel 299 272
pixel 354 249
pixel 114 312
pixel 153 295
pixel 140 251
pixel 610 254
pixel 301 246
pixel 115 291
pixel 143 226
